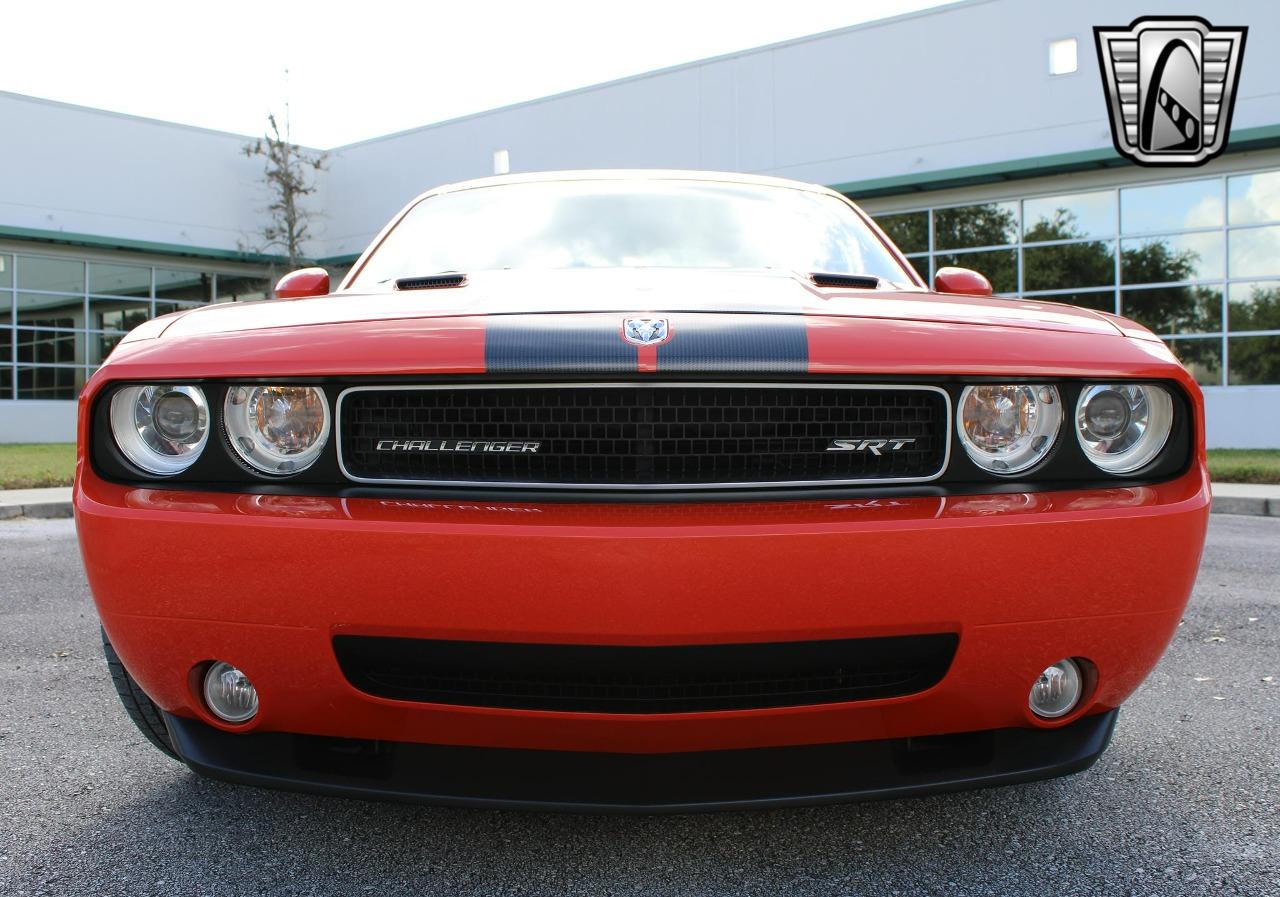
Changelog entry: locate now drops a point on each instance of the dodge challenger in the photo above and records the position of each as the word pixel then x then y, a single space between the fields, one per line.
pixel 647 491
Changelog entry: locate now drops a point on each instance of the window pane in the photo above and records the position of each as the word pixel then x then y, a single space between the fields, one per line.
pixel 921 264
pixel 6 309
pixel 1175 309
pixel 1165 259
pixel 232 288
pixel 1071 265
pixel 6 345
pixel 118 314
pixel 1171 206
pixel 120 280
pixel 1254 306
pixel 187 286
pixel 6 270
pixel 1069 215
pixel 989 224
pixel 50 311
pixel 1202 357
pixel 1255 252
pixel 164 308
pixel 49 346
pixel 49 383
pixel 909 231
pixel 6 383
pixel 1000 266
pixel 1253 198
pixel 59 275
pixel 101 344
pixel 1099 301
pixel 1254 359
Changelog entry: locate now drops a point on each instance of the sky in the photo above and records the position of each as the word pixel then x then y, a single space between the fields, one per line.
pixel 350 71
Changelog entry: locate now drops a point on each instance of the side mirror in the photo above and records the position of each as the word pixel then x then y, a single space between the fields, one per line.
pixel 962 281
pixel 303 282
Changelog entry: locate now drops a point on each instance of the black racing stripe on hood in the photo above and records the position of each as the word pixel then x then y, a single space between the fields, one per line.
pixel 556 344
pixel 736 344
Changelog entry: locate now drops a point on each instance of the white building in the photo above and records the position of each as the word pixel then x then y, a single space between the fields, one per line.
pixel 951 126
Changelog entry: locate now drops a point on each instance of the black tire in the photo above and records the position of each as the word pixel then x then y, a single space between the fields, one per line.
pixel 141 709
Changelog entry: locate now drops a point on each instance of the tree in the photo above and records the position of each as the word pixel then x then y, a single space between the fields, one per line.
pixel 289 176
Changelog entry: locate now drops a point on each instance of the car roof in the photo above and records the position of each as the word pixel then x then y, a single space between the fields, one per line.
pixel 630 174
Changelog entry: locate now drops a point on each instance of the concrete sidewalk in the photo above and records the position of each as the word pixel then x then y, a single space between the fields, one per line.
pixel 35 502
pixel 1228 498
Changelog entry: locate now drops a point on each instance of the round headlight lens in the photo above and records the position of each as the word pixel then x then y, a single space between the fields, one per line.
pixel 162 429
pixel 277 429
pixel 1007 428
pixel 1123 426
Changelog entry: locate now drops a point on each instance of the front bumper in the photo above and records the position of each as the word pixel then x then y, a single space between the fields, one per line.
pixel 757 778
pixel 266 581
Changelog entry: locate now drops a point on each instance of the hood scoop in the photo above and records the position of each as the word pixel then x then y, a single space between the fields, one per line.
pixel 847 281
pixel 432 282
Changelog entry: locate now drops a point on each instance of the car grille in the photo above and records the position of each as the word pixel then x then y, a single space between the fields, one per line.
pixel 627 679
pixel 644 436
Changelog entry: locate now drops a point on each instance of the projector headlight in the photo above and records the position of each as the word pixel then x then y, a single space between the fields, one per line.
pixel 1123 426
pixel 162 429
pixel 1007 428
pixel 277 429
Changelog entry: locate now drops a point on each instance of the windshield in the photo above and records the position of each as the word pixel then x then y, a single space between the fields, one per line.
pixel 629 224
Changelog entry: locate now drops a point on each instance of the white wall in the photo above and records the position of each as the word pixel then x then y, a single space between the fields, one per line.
pixel 1242 416
pixel 31 420
pixel 86 171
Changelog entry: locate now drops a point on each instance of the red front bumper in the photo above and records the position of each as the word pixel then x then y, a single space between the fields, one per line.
pixel 265 582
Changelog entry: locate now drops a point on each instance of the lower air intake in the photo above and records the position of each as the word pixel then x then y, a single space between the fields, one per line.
pixel 628 679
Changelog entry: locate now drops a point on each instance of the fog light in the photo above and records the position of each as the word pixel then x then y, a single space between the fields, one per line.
pixel 229 693
pixel 1057 691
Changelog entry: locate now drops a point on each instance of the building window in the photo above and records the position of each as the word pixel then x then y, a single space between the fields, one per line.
pixel 1196 260
pixel 1063 57
pixel 60 316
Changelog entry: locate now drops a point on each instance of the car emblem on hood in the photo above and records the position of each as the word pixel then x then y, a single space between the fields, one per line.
pixel 645 331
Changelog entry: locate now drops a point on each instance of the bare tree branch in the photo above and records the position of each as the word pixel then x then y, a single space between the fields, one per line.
pixel 289 175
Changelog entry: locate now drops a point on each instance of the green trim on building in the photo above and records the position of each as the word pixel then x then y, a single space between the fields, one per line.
pixel 1244 140
pixel 335 261
pixel 199 252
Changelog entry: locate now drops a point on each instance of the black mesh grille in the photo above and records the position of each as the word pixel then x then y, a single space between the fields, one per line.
pixel 625 679
pixel 659 435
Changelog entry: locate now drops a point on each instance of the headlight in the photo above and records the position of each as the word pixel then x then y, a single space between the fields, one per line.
pixel 277 429
pixel 1123 426
pixel 161 429
pixel 1008 427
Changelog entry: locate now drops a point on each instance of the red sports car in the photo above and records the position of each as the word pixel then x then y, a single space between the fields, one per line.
pixel 637 491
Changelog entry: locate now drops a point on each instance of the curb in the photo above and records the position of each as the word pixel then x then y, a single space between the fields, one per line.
pixel 1246 506
pixel 45 510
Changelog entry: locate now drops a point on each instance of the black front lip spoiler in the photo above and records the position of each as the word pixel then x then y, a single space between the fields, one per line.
pixel 581 782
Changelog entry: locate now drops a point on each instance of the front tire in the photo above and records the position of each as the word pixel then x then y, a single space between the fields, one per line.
pixel 141 709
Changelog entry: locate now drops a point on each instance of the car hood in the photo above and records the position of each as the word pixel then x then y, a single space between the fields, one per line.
pixel 637 292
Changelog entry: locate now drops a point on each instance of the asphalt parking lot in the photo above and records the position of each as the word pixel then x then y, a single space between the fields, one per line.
pixel 1185 801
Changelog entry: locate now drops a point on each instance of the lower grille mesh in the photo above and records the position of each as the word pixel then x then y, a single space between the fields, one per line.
pixel 662 435
pixel 625 679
